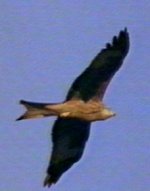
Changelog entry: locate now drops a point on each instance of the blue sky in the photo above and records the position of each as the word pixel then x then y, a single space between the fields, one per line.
pixel 44 46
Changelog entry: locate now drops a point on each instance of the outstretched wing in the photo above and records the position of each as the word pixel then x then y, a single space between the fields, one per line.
pixel 93 82
pixel 70 135
pixel 69 138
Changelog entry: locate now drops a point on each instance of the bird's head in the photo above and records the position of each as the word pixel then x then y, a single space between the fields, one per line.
pixel 107 113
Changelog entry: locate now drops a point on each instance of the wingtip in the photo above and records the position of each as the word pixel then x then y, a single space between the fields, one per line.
pixel 125 29
pixel 122 34
pixel 48 181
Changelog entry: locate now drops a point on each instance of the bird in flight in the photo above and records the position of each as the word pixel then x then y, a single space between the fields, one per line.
pixel 83 105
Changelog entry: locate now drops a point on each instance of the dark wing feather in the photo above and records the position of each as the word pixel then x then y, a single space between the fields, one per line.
pixel 69 138
pixel 69 135
pixel 95 79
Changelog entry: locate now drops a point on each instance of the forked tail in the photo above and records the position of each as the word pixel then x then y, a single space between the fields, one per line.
pixel 35 110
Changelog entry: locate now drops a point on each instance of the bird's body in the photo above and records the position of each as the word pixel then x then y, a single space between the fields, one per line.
pixel 91 110
pixel 83 105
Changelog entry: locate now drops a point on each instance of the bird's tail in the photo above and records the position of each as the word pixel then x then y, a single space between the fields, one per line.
pixel 35 110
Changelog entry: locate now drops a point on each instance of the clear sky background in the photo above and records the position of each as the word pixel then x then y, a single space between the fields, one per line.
pixel 44 45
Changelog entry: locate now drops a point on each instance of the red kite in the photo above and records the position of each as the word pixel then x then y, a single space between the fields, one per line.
pixel 83 105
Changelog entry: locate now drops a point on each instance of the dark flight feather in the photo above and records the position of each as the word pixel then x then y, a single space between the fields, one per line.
pixel 101 70
pixel 69 136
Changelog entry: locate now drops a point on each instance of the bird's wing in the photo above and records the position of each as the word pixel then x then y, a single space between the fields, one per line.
pixel 69 138
pixel 93 82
